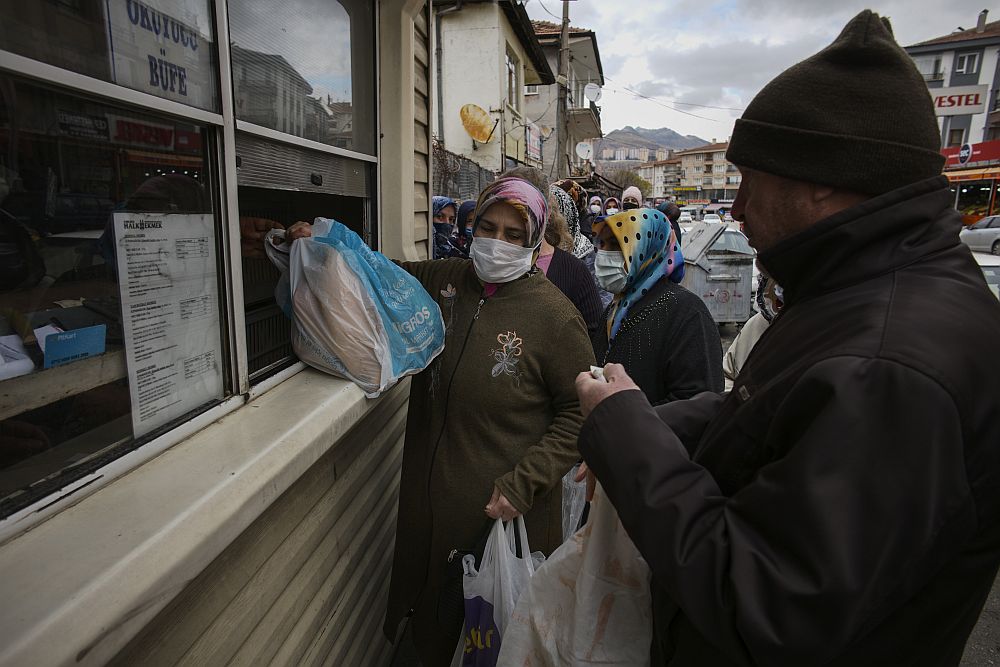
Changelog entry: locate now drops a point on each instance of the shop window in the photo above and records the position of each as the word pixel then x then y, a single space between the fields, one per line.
pixel 307 70
pixel 110 320
pixel 164 48
pixel 279 185
pixel 974 199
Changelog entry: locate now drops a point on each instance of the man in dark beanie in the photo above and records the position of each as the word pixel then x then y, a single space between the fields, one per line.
pixel 841 505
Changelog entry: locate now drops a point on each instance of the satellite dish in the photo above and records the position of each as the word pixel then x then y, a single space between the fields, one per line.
pixel 592 92
pixel 585 150
pixel 477 122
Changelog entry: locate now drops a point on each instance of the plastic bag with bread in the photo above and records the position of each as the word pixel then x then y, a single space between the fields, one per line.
pixel 354 313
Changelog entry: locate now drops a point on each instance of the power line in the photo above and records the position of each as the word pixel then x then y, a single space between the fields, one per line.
pixel 651 99
pixel 657 100
pixel 548 12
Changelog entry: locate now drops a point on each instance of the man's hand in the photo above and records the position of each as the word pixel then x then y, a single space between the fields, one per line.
pixel 500 508
pixel 252 232
pixel 592 390
pixel 584 472
pixel 300 230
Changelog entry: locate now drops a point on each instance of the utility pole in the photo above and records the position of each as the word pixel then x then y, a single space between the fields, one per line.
pixel 562 111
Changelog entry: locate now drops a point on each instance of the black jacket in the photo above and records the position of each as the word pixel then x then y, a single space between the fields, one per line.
pixel 573 279
pixel 841 506
pixel 669 344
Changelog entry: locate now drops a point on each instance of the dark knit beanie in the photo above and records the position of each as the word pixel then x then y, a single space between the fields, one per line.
pixel 857 115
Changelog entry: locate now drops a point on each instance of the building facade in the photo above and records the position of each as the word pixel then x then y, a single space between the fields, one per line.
pixel 175 486
pixel 488 54
pixel 962 71
pixel 706 176
pixel 663 175
pixel 583 123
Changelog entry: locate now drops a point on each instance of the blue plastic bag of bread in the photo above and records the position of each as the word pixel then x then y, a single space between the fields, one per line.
pixel 354 312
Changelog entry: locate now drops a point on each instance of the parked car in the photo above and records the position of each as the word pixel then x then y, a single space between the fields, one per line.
pixel 712 217
pixel 984 235
pixel 990 264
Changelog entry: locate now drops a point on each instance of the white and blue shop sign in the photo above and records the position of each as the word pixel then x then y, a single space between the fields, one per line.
pixel 158 47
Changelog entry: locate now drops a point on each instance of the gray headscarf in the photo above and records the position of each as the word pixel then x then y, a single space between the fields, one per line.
pixel 582 246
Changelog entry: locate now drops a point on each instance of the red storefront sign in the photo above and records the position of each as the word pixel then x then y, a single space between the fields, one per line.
pixel 984 152
pixel 133 132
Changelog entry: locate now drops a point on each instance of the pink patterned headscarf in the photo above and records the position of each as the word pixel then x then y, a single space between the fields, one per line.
pixel 524 197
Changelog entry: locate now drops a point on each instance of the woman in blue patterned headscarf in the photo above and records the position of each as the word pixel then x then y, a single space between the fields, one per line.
pixel 662 333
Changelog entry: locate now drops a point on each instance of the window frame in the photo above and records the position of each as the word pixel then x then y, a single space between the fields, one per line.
pixel 512 68
pixel 220 154
pixel 962 65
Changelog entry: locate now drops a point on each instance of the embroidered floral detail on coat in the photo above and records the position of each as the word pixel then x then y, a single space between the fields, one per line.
pixel 507 356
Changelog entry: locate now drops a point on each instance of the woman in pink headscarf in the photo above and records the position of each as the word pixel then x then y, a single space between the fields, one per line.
pixel 492 423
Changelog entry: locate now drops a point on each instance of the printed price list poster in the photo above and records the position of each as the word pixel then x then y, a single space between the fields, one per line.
pixel 168 282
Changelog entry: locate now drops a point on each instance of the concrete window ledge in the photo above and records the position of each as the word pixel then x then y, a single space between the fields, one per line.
pixel 79 586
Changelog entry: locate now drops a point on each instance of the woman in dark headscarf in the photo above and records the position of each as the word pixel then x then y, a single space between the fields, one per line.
pixel 462 238
pixel 612 206
pixel 443 209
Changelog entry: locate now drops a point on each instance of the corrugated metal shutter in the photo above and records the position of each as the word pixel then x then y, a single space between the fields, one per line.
pixel 266 164
pixel 307 583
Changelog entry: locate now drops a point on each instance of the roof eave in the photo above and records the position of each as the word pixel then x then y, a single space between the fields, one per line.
pixel 973 43
pixel 525 32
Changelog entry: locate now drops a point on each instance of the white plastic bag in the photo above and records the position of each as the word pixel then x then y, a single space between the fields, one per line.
pixel 574 497
pixel 588 605
pixel 491 593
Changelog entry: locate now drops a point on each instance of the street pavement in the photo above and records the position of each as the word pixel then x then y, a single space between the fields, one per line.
pixel 983 647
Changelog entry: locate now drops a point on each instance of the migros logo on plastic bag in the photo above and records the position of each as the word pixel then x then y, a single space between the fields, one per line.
pixel 408 327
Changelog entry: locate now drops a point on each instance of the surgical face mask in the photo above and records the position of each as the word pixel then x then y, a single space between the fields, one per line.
pixel 612 210
pixel 609 267
pixel 595 208
pixel 497 261
pixel 628 206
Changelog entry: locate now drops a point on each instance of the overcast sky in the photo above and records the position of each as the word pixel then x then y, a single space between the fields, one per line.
pixel 721 52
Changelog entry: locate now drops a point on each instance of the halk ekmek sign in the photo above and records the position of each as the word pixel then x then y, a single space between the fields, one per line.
pixel 960 100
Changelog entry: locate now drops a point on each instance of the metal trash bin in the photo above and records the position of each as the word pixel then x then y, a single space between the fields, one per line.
pixel 718 267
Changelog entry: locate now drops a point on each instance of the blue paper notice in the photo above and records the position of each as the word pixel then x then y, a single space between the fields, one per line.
pixel 69 346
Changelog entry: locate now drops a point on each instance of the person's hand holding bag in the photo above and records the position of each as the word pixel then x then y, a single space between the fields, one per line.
pixel 500 508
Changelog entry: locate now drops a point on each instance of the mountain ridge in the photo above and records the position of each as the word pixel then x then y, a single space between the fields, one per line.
pixel 651 138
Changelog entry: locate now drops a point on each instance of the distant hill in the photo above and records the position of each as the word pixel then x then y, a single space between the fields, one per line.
pixel 664 137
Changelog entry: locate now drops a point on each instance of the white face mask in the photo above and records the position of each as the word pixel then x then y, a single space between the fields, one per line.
pixel 612 211
pixel 497 261
pixel 609 267
pixel 595 208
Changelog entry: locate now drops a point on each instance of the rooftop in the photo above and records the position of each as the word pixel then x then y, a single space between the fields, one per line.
pixel 546 28
pixel 710 148
pixel 991 30
pixel 658 163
